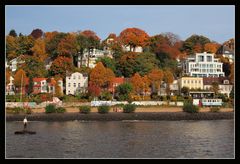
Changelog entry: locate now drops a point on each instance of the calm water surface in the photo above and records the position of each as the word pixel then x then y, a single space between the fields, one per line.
pixel 141 139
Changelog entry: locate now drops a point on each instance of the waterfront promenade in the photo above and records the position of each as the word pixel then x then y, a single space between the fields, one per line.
pixel 141 113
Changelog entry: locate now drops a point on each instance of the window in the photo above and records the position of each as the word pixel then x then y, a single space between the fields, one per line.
pixel 184 82
pixel 74 85
pixel 78 84
pixel 74 77
pixel 209 58
pixel 69 84
pixel 201 58
pixel 68 91
pixel 78 76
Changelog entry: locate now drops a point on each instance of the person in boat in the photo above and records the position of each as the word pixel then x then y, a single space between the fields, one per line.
pixel 25 123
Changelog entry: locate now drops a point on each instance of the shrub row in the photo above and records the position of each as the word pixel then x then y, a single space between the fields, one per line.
pixel 52 109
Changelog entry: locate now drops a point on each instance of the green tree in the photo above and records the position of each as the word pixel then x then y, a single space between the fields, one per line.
pixel 185 91
pixel 25 44
pixel 123 91
pixel 193 41
pixel 108 63
pixel 12 33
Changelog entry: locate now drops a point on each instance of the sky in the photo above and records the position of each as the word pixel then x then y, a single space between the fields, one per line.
pixel 217 22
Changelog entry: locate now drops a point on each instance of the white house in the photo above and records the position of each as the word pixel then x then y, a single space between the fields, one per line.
pixel 203 65
pixel 93 56
pixel 137 49
pixel 75 83
pixel 14 62
pixel 225 87
pixel 10 87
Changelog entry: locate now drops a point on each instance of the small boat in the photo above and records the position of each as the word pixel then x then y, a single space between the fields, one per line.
pixel 25 132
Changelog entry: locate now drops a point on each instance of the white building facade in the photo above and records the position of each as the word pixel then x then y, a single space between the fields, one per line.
pixel 203 65
pixel 76 83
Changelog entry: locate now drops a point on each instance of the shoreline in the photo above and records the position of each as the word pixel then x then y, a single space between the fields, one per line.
pixel 170 116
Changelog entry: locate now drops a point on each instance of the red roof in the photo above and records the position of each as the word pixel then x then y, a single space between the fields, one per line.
pixel 119 80
pixel 39 79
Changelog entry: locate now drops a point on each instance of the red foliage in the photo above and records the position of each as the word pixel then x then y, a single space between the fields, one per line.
pixel 93 89
pixel 90 34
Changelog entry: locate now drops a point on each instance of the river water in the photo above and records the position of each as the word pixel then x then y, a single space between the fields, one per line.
pixel 122 139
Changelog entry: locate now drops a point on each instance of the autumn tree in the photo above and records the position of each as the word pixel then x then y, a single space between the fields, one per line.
pixel 12 33
pixel 156 77
pixel 58 92
pixel 34 67
pixel 60 65
pixel 52 41
pixel 138 84
pixel 101 76
pixel 168 79
pixel 25 44
pixel 93 89
pixel 11 47
pixel 19 78
pixel 211 47
pixel 39 49
pixel 37 33
pixel 133 37
pixel 146 84
pixel 185 90
pixel 68 47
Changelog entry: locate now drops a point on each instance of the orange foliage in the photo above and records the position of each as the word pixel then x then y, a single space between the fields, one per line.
pixel 101 76
pixel 67 46
pixel 50 35
pixel 20 74
pixel 197 48
pixel 134 37
pixel 155 77
pixel 137 83
pixel 39 49
pixel 90 34
pixel 211 47
pixel 60 65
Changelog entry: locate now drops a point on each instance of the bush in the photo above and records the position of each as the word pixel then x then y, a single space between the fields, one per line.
pixel 105 95
pixel 103 109
pixel 84 109
pixel 50 108
pixel 190 108
pixel 60 110
pixel 17 110
pixel 214 109
pixel 129 108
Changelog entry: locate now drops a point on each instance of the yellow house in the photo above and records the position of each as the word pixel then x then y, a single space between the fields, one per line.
pixel 191 82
